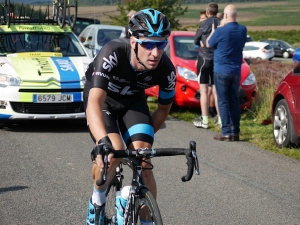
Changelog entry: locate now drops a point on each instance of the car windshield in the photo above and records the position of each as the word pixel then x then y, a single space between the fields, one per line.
pixel 184 47
pixel 105 35
pixel 65 43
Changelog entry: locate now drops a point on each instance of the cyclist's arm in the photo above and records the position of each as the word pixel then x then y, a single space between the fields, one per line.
pixel 94 113
pixel 97 94
pixel 159 116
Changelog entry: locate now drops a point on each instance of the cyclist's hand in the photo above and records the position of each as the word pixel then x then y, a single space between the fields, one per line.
pixel 104 144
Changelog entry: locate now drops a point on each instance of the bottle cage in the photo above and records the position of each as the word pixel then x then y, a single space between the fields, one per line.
pixel 63 13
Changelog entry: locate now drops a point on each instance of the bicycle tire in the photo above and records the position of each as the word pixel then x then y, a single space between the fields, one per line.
pixel 110 205
pixel 72 18
pixel 146 199
pixel 60 12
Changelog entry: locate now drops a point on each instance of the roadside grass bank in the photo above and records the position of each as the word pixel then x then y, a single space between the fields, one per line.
pixel 268 75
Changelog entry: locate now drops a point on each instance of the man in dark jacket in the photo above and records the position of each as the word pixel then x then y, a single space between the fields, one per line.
pixel 205 62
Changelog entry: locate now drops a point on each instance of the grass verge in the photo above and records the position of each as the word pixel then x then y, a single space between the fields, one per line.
pixel 268 75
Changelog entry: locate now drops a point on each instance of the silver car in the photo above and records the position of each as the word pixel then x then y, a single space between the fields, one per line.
pixel 94 36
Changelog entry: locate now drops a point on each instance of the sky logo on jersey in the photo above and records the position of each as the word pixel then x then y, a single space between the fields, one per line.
pixel 172 81
pixel 110 63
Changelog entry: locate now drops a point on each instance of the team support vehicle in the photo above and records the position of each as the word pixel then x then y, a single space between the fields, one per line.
pixel 183 55
pixel 42 64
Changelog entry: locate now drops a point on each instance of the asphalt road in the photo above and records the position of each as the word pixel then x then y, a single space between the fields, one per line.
pixel 45 178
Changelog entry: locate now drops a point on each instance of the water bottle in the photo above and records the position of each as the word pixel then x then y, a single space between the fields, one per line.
pixel 121 200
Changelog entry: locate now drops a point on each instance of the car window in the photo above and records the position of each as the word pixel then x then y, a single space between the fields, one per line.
pixel 268 47
pixel 105 35
pixel 65 43
pixel 184 47
pixel 82 23
pixel 83 36
pixel 251 48
pixel 296 70
pixel 91 37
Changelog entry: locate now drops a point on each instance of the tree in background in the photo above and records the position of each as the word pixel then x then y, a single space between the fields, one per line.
pixel 171 8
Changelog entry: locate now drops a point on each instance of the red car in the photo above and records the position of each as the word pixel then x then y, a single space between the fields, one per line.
pixel 182 52
pixel 286 110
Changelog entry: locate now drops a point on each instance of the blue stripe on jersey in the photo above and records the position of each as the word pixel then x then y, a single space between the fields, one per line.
pixel 139 129
pixel 67 72
pixel 166 95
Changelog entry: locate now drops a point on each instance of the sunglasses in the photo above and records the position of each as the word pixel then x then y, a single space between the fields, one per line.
pixel 150 45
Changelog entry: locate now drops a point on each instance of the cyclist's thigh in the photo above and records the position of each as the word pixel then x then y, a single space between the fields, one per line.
pixel 110 120
pixel 136 123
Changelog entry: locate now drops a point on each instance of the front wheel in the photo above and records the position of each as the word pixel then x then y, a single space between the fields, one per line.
pixel 282 125
pixel 146 209
pixel 285 55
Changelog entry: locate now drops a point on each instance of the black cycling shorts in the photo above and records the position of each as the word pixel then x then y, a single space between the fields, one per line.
pixel 205 70
pixel 129 116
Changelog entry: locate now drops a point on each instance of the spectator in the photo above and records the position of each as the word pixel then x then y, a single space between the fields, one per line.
pixel 228 42
pixel 124 33
pixel 212 109
pixel 205 62
pixel 203 16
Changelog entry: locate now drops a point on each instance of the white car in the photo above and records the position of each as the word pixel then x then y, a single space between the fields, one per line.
pixel 94 36
pixel 258 50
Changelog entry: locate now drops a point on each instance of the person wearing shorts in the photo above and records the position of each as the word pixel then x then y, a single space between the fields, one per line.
pixel 115 104
pixel 205 63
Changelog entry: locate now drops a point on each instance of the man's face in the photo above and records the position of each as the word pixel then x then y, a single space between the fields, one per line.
pixel 202 17
pixel 150 51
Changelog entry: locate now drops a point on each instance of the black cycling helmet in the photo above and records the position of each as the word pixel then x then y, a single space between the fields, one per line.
pixel 149 23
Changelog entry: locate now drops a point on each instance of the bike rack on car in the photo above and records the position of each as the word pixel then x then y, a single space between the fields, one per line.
pixel 63 13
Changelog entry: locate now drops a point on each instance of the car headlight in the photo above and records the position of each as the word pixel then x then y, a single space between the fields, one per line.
pixel 250 79
pixel 186 73
pixel 8 80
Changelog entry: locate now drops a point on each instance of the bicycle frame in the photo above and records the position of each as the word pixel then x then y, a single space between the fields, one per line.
pixel 137 184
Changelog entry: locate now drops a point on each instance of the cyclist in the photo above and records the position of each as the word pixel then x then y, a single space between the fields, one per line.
pixel 115 100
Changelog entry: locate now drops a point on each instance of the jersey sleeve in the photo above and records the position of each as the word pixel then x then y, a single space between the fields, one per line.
pixel 167 83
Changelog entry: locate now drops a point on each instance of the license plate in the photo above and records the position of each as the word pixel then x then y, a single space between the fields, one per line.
pixel 53 98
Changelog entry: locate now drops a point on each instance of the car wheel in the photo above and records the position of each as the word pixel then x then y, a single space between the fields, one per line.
pixel 258 58
pixel 282 125
pixel 285 55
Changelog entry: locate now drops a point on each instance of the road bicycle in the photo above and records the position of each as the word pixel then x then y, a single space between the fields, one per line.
pixel 65 12
pixel 140 198
pixel 7 10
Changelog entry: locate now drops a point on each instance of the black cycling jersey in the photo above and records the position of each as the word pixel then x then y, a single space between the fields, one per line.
pixel 111 70
pixel 202 34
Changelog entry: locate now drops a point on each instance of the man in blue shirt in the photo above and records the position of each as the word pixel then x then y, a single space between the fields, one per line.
pixel 228 42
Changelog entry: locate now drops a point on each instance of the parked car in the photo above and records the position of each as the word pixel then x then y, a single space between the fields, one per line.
pixel 42 71
pixel 286 110
pixel 95 36
pixel 258 50
pixel 296 55
pixel 281 48
pixel 83 22
pixel 182 53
